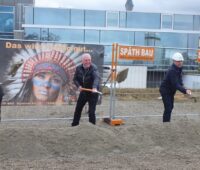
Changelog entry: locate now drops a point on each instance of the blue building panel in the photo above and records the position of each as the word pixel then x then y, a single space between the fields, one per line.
pixel 7 21
pixel 168 33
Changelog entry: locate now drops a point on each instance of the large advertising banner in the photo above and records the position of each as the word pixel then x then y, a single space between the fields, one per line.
pixel 42 72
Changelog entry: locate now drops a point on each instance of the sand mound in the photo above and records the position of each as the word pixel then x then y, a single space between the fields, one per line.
pixel 135 144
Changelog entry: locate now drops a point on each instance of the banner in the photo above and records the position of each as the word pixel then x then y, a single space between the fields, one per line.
pixel 136 53
pixel 42 72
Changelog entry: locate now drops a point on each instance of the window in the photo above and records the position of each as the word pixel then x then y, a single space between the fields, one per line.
pixel 51 16
pixel 92 36
pixel 123 37
pixel 77 17
pixel 143 20
pixel 67 35
pixel 166 21
pixel 176 40
pixel 28 14
pixel 122 19
pixel 139 38
pixel 6 22
pixel 152 39
pixel 6 9
pixel 44 34
pixel 6 19
pixel 95 18
pixel 193 40
pixel 56 34
pixel 107 53
pixel 74 35
pixel 32 33
pixel 196 22
pixel 112 19
pixel 183 22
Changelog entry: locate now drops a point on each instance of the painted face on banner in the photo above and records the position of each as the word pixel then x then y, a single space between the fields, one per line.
pixel 46 86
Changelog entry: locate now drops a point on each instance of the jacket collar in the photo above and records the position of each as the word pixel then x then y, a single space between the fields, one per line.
pixel 179 69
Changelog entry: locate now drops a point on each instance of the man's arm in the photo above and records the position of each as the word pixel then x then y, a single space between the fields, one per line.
pixel 176 82
pixel 75 79
pixel 96 78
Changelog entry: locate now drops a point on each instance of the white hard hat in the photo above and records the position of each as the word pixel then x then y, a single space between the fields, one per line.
pixel 177 57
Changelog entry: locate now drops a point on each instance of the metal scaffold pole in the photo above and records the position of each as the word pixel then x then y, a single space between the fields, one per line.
pixel 113 83
pixel 111 120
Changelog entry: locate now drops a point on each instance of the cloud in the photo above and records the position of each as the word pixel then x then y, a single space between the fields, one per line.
pixel 173 6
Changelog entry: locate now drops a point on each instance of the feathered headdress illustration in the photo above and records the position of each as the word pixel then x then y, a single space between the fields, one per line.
pixel 33 61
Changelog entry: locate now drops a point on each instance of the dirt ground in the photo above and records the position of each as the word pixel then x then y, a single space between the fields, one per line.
pixel 143 142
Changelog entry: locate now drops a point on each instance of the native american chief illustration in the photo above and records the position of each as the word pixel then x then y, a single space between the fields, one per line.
pixel 41 76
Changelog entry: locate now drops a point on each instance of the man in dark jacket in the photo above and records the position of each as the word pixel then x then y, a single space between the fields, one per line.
pixel 86 76
pixel 172 82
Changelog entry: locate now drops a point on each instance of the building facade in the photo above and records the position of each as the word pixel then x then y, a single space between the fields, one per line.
pixel 167 32
pixel 12 18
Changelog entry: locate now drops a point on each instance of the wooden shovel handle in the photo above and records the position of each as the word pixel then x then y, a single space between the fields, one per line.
pixel 90 90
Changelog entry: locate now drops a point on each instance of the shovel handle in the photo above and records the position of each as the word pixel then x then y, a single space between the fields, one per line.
pixel 90 90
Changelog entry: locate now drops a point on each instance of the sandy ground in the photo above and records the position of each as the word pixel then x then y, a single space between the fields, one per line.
pixel 142 143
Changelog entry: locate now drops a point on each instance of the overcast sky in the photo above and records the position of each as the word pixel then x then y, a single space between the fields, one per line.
pixel 174 6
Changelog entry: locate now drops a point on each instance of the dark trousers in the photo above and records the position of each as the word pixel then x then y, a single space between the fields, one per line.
pixel 168 101
pixel 83 98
